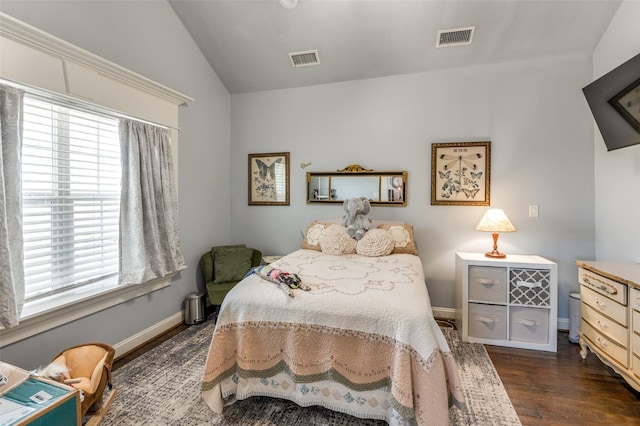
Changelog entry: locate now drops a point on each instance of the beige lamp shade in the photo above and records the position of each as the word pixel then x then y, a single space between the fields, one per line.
pixel 495 221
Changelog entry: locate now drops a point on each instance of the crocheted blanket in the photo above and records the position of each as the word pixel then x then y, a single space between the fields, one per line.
pixel 362 341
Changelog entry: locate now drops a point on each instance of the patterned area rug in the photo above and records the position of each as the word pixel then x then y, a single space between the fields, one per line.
pixel 162 387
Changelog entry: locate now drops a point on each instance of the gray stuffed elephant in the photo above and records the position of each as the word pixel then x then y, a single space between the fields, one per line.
pixel 356 220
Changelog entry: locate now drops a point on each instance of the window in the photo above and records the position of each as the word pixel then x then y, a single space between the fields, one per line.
pixel 71 197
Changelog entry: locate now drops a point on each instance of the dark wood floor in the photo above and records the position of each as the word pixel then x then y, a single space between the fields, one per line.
pixel 545 388
pixel 560 388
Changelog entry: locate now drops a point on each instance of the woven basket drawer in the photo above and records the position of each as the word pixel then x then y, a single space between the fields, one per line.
pixel 530 287
pixel 488 321
pixel 488 284
pixel 529 324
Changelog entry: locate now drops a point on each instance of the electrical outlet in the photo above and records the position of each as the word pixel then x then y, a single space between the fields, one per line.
pixel 533 210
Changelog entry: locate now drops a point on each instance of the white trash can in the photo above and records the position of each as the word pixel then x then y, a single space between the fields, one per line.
pixel 194 308
pixel 574 317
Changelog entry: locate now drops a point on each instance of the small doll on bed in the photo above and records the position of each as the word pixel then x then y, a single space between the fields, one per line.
pixel 286 280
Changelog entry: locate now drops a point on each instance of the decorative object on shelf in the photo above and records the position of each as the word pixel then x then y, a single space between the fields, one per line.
pixel 388 188
pixel 269 179
pixel 495 221
pixel 460 173
pixel 354 168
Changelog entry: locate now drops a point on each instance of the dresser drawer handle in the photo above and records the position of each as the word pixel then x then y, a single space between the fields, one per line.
pixel 601 342
pixel 486 281
pixel 600 304
pixel 602 325
pixel 528 285
pixel 487 320
pixel 528 322
pixel 600 285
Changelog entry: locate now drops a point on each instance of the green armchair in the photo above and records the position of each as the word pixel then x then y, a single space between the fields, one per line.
pixel 224 266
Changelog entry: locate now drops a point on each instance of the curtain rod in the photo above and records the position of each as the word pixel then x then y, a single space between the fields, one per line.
pixel 80 103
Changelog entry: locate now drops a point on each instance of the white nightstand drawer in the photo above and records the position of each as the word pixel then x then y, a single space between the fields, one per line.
pixel 612 289
pixel 605 325
pixel 488 321
pixel 604 305
pixel 529 324
pixel 635 343
pixel 488 284
pixel 609 347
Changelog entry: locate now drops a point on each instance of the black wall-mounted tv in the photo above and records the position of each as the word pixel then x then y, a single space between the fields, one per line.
pixel 614 100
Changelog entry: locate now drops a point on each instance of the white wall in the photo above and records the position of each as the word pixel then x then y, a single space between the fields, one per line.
pixel 160 49
pixel 617 173
pixel 533 112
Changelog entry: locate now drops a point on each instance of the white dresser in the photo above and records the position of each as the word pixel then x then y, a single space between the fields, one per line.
pixel 610 315
pixel 507 302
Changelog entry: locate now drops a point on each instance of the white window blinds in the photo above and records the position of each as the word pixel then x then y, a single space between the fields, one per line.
pixel 71 196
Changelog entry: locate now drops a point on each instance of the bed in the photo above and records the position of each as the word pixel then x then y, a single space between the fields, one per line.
pixel 362 340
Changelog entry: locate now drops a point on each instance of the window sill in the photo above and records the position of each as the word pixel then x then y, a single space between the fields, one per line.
pixel 42 315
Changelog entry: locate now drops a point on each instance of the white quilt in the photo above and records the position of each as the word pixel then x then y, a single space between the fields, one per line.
pixel 363 340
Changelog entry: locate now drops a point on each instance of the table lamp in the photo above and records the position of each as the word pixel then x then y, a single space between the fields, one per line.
pixel 495 221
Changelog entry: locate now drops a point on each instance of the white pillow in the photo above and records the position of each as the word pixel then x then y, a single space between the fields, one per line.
pixel 335 240
pixel 311 238
pixel 403 238
pixel 376 242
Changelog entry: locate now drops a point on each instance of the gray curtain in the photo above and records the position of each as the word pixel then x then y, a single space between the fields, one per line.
pixel 149 241
pixel 11 240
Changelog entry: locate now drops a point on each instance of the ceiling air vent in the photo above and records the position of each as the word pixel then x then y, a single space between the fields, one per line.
pixel 455 37
pixel 304 59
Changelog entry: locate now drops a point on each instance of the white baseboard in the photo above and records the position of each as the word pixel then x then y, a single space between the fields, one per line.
pixel 147 334
pixel 563 324
pixel 444 313
pixel 450 313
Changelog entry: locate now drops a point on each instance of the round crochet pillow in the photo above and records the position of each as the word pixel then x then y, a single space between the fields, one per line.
pixel 335 240
pixel 376 242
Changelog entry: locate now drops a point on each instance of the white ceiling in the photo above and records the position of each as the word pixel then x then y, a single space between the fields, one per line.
pixel 247 42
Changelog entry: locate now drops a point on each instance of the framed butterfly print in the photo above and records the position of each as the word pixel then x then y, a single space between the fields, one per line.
pixel 460 173
pixel 269 179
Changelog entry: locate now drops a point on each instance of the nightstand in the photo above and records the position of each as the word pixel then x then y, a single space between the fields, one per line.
pixel 507 302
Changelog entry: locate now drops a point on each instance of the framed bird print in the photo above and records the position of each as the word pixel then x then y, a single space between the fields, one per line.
pixel 269 179
pixel 460 173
